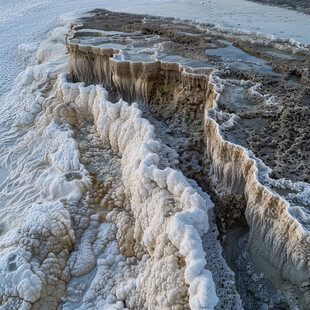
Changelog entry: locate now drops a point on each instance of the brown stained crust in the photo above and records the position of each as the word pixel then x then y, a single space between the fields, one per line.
pixel 281 139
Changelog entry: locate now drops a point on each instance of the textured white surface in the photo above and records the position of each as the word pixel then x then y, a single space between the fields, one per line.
pixel 133 137
pixel 54 178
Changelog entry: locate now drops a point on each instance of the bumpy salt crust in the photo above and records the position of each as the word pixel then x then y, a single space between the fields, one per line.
pixel 169 214
pixel 122 126
pixel 39 155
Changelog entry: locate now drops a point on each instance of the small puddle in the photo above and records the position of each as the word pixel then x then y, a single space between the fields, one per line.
pixel 97 32
pixel 280 54
pixel 284 192
pixel 233 96
pixel 113 33
pixel 191 34
pixel 136 54
pixel 237 58
pixel 182 61
pixel 112 45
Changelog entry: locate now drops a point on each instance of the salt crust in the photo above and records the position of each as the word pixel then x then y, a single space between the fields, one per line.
pixel 38 234
pixel 122 126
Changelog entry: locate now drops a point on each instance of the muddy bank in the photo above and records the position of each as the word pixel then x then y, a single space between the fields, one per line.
pixel 298 5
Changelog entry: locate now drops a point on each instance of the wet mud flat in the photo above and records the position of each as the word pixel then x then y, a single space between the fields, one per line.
pixel 299 5
pixel 193 81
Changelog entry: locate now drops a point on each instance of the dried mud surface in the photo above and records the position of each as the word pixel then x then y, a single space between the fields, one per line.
pixel 281 138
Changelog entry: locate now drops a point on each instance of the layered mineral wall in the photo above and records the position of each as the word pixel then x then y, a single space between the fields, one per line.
pixel 276 237
pixel 138 81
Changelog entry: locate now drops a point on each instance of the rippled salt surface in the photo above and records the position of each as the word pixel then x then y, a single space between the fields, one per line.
pixel 3 174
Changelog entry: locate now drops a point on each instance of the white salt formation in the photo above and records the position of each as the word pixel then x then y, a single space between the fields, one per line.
pixel 150 226
pixel 138 244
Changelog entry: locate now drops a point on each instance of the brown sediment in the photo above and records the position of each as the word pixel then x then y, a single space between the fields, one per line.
pixel 183 98
pixel 299 5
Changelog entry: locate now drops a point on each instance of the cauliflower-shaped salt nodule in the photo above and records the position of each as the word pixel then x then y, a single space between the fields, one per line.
pixel 83 260
pixel 17 278
pixel 38 259
pixel 50 223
